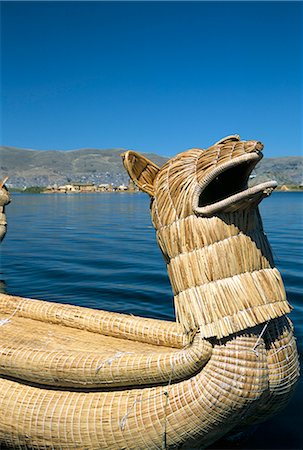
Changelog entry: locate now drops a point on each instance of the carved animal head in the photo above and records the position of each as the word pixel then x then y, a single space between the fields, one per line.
pixel 200 182
pixel 210 233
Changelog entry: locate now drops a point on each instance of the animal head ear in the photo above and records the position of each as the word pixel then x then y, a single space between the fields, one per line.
pixel 141 170
pixel 2 184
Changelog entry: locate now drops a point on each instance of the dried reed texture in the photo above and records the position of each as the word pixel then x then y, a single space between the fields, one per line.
pixel 233 386
pixel 152 331
pixel 69 357
pixel 283 370
pixel 229 362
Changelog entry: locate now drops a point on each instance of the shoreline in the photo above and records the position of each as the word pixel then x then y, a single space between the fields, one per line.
pixel 37 190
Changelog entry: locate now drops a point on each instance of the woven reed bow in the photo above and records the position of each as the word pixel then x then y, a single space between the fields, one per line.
pixel 4 200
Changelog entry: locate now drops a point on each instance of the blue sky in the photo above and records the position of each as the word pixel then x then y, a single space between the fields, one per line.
pixel 151 76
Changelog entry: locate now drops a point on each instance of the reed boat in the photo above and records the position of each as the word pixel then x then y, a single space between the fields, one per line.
pixel 78 378
pixel 4 200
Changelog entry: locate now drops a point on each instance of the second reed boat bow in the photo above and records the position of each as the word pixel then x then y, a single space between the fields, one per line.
pixel 78 378
pixel 4 200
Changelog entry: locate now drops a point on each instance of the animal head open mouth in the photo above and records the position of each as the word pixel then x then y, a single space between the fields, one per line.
pixel 225 188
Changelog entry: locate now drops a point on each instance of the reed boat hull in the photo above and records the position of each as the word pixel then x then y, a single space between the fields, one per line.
pixel 240 380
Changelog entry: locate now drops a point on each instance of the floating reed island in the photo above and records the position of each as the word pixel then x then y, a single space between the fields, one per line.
pixel 77 378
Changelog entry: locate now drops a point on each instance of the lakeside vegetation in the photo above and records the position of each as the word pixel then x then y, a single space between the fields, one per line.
pixel 28 190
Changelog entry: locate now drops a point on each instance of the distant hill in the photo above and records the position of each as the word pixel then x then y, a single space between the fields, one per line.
pixel 287 170
pixel 49 167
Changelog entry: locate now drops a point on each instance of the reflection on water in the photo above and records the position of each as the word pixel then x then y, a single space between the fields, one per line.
pixel 100 251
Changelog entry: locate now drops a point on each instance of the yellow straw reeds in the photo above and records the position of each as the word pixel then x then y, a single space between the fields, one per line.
pixel 227 392
pixel 65 356
pixel 153 331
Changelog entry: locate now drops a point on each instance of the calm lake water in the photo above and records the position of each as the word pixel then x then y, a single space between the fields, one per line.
pixel 100 251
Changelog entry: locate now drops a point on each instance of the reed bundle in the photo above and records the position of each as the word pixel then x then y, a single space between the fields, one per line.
pixel 66 356
pixel 153 331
